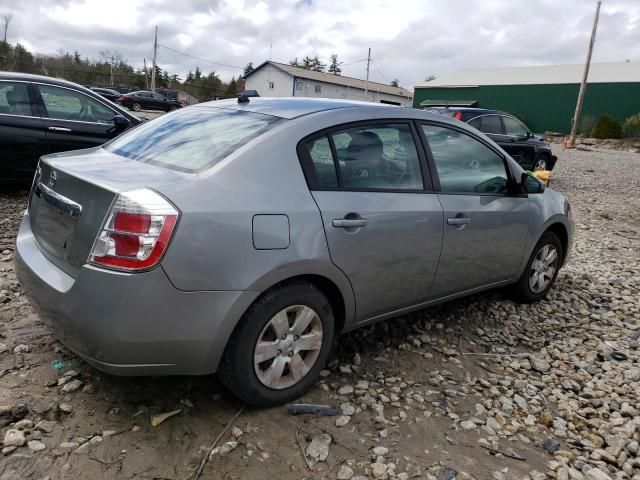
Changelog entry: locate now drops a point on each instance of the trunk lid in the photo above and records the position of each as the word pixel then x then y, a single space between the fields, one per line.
pixel 72 194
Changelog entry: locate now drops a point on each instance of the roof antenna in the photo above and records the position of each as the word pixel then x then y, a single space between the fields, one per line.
pixel 243 97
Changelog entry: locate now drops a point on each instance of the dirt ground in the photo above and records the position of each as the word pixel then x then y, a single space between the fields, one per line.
pixel 420 386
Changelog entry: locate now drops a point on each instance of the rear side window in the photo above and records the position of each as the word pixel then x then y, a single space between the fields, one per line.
pixel 191 139
pixel 464 164
pixel 380 157
pixel 491 124
pixel 14 98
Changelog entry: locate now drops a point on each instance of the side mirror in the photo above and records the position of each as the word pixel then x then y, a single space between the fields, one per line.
pixel 531 184
pixel 120 122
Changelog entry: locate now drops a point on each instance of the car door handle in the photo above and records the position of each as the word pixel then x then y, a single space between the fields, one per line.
pixel 349 222
pixel 59 129
pixel 458 221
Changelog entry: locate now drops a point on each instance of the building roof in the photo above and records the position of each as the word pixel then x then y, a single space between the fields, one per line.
pixel 335 79
pixel 539 75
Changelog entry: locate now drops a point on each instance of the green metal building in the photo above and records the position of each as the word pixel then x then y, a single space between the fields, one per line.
pixel 544 97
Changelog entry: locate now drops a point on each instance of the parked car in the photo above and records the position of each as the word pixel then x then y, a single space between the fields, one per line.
pixel 144 100
pixel 108 93
pixel 515 138
pixel 147 255
pixel 41 115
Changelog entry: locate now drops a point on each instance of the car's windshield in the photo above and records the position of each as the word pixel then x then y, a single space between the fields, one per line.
pixel 191 139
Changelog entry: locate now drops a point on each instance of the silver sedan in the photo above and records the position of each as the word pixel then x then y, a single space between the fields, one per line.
pixel 241 237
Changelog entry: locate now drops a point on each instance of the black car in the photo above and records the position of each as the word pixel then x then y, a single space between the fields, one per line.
pixel 143 99
pixel 107 93
pixel 529 150
pixel 41 115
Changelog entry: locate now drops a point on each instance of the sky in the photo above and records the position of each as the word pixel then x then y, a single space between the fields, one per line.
pixel 409 39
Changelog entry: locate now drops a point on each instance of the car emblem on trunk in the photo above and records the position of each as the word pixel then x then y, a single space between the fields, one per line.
pixel 52 179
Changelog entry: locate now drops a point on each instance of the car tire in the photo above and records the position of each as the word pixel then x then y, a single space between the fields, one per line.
pixel 172 108
pixel 541 271
pixel 136 107
pixel 541 162
pixel 257 364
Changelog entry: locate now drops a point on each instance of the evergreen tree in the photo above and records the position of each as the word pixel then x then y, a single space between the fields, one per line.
pixel 248 68
pixel 232 88
pixel 395 82
pixel 334 67
pixel 295 63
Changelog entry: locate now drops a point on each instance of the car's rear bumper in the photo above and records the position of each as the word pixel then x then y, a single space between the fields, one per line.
pixel 129 324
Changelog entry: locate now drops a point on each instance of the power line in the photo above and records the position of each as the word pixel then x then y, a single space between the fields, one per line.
pixel 381 74
pixel 201 59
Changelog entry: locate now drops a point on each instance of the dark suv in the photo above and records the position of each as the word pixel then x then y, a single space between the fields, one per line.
pixel 515 138
pixel 146 100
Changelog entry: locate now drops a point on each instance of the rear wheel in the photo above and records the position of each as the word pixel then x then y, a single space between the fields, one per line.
pixel 136 107
pixel 541 271
pixel 280 345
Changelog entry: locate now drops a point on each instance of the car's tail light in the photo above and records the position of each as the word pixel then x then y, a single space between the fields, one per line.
pixel 136 232
pixel 458 116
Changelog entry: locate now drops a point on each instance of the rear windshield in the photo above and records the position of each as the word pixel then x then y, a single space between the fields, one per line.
pixel 191 139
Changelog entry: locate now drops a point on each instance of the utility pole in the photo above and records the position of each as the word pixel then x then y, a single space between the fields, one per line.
pixel 111 75
pixel 146 77
pixel 366 83
pixel 583 85
pixel 153 67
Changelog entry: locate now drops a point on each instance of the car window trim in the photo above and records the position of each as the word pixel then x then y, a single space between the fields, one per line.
pixel 33 104
pixel 308 169
pixel 45 115
pixel 436 179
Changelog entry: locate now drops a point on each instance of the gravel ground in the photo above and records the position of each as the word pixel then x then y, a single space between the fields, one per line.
pixel 478 388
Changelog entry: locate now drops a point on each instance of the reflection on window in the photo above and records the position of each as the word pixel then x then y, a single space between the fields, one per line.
pixel 464 164
pixel 65 104
pixel 14 98
pixel 192 138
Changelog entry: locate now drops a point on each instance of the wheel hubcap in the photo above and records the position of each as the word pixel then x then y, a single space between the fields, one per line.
pixel 288 347
pixel 543 268
pixel 541 164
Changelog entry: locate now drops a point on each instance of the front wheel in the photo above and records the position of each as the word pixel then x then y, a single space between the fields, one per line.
pixel 541 271
pixel 136 107
pixel 282 342
pixel 541 162
pixel 172 108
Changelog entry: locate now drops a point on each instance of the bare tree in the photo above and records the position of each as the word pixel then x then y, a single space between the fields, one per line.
pixel 7 21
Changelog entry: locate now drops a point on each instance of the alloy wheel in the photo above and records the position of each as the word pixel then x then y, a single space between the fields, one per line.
pixel 541 164
pixel 137 107
pixel 543 268
pixel 288 347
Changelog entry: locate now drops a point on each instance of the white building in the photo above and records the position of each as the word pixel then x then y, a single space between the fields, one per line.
pixel 272 79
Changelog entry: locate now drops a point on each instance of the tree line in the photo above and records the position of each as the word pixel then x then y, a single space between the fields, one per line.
pixel 111 69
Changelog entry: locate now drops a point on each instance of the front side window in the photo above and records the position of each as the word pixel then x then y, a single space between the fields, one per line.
pixel 464 164
pixel 65 104
pixel 318 89
pixel 191 139
pixel 514 128
pixel 14 98
pixel 381 157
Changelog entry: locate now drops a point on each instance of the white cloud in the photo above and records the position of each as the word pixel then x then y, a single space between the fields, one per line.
pixel 410 39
